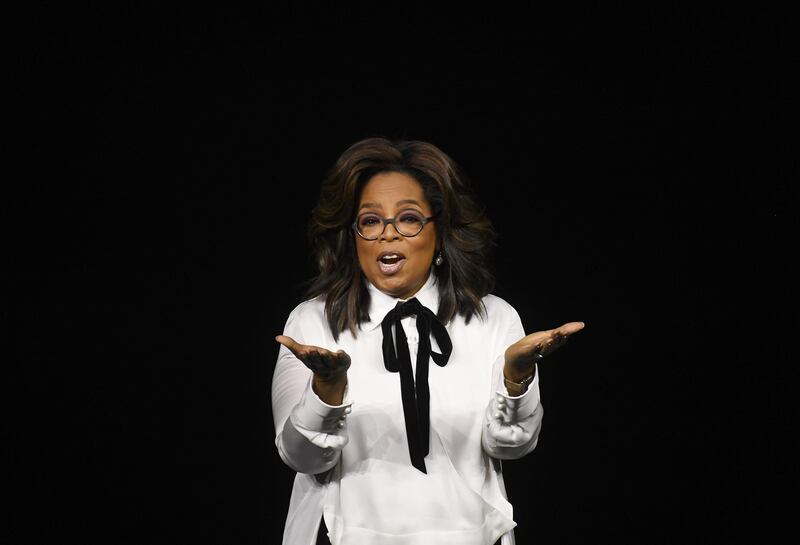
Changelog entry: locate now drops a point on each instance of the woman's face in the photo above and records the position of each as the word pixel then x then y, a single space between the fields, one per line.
pixel 388 194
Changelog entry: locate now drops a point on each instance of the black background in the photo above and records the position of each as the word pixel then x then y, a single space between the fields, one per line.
pixel 168 162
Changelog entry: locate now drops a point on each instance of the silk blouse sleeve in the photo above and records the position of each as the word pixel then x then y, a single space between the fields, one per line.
pixel 511 424
pixel 310 434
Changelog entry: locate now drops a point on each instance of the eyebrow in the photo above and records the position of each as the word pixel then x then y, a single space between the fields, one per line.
pixel 377 205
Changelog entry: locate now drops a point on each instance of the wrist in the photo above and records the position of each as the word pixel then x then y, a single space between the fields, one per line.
pixel 518 374
pixel 330 380
pixel 517 383
pixel 330 389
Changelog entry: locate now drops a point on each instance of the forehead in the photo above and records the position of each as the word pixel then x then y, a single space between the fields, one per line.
pixel 387 188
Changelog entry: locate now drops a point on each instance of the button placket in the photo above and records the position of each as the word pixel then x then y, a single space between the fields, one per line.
pixel 410 327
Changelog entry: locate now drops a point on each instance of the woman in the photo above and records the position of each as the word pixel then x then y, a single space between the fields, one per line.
pixel 388 448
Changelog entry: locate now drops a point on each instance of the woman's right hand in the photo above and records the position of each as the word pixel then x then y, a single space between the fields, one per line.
pixel 329 368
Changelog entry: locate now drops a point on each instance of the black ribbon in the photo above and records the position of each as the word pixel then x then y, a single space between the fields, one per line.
pixel 416 398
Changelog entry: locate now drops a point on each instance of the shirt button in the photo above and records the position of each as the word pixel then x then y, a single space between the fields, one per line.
pixel 348 410
pixel 501 405
pixel 340 424
pixel 498 416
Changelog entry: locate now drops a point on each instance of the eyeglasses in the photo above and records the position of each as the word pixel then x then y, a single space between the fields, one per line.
pixel 409 224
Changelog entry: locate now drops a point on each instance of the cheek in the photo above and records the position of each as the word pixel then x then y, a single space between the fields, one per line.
pixel 361 252
pixel 365 254
pixel 430 241
pixel 426 246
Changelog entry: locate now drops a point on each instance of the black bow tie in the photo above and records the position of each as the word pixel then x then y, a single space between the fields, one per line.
pixel 416 404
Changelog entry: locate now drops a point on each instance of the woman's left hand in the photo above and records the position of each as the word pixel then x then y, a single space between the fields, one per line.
pixel 521 356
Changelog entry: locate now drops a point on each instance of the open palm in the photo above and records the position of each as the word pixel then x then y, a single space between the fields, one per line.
pixel 523 354
pixel 327 365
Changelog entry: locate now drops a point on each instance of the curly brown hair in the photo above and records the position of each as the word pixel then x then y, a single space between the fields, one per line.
pixel 465 234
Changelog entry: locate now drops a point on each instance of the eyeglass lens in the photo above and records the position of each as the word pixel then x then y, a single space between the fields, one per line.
pixel 407 224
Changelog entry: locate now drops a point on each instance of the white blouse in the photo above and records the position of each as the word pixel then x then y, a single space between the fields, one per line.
pixel 352 460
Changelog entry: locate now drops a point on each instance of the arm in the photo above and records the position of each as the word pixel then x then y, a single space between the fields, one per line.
pixel 310 433
pixel 511 423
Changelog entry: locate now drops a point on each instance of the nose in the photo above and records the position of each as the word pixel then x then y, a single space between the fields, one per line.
pixel 390 235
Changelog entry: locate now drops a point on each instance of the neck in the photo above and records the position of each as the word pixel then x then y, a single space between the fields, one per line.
pixel 406 297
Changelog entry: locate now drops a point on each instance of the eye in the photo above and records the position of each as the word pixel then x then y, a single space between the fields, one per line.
pixel 368 220
pixel 411 217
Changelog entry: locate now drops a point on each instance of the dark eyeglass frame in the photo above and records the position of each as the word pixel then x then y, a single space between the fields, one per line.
pixel 386 221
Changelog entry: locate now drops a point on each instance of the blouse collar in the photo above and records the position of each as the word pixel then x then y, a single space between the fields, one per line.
pixel 380 303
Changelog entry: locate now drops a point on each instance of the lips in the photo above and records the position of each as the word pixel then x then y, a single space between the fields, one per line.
pixel 388 256
pixel 391 262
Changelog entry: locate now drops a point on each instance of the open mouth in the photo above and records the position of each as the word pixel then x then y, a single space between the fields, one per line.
pixel 391 262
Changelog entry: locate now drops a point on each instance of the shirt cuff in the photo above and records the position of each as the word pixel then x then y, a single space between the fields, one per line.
pixel 512 408
pixel 325 425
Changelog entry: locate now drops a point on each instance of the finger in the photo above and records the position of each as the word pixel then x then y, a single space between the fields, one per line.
pixel 340 360
pixel 559 336
pixel 344 357
pixel 533 345
pixel 328 360
pixel 559 339
pixel 535 339
pixel 299 350
pixel 570 328
pixel 548 345
pixel 315 362
pixel 329 365
pixel 288 342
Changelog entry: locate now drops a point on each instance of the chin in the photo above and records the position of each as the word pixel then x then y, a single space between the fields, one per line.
pixel 397 287
pixel 393 288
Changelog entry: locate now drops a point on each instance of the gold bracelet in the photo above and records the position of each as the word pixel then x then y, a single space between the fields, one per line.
pixel 524 383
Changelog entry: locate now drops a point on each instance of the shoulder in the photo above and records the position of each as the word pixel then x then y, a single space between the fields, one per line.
pixel 494 327
pixel 496 315
pixel 307 323
pixel 309 310
pixel 498 308
pixel 501 316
